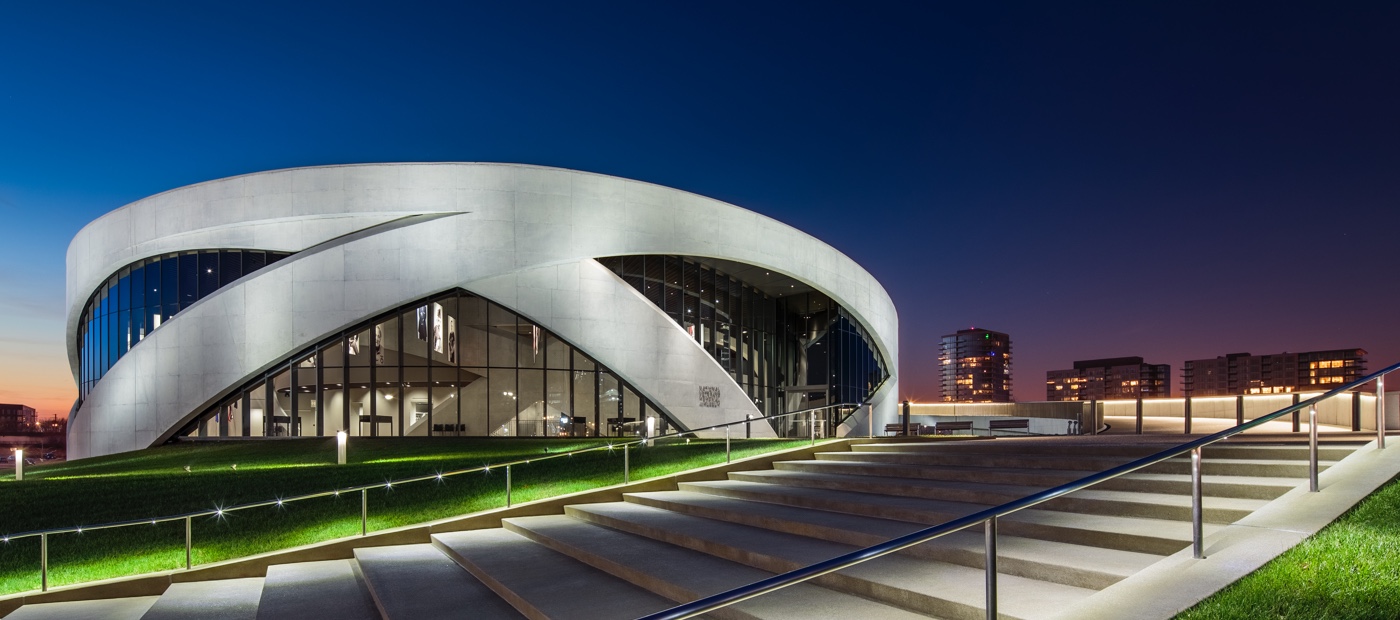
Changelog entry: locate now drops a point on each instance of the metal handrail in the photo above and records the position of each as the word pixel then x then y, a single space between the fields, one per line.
pixel 219 512
pixel 775 416
pixel 989 516
pixel 811 424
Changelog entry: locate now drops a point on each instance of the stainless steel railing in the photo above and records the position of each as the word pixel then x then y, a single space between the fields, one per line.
pixel 989 516
pixel 363 490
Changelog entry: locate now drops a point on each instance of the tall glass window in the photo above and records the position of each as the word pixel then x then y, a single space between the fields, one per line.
pixel 788 347
pixel 452 365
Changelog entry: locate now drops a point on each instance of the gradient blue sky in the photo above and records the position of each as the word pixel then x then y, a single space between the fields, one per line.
pixel 1169 179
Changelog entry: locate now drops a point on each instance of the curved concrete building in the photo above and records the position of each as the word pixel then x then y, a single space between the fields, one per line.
pixel 460 299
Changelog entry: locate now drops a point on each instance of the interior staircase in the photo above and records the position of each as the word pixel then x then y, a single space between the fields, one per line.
pixel 656 549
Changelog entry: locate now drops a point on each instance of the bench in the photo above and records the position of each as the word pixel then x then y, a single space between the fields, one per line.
pixel 944 428
pixel 1019 424
pixel 898 428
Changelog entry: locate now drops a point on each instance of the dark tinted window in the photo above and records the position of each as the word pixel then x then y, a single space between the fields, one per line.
pixel 230 267
pixel 141 296
pixel 208 273
pixel 189 279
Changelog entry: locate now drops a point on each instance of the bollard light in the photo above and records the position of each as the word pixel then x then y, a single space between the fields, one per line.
pixel 340 439
pixel 651 430
pixel 19 464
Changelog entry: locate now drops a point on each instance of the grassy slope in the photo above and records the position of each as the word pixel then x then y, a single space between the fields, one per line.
pixel 153 483
pixel 1349 570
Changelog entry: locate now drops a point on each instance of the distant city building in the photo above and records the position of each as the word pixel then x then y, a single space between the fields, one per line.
pixel 976 366
pixel 1115 377
pixel 17 419
pixel 1280 373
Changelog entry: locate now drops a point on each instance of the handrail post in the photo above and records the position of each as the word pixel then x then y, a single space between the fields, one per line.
pixel 44 562
pixel 1356 411
pixel 1296 427
pixel 1197 538
pixel 870 415
pixel 1186 413
pixel 364 512
pixel 1380 413
pixel 507 486
pixel 991 566
pixel 1312 448
pixel 726 444
pixel 189 541
pixel 626 464
pixel 1139 416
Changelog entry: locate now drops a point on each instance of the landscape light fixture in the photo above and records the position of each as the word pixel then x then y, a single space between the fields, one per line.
pixel 19 464
pixel 340 439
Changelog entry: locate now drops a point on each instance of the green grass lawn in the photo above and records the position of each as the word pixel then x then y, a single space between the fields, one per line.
pixel 1349 570
pixel 154 483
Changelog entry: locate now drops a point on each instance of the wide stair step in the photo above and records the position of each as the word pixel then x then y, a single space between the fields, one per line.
pixel 1122 503
pixel 542 583
pixel 950 458
pixel 683 575
pixel 325 589
pixel 1289 468
pixel 225 599
pixel 410 582
pixel 130 608
pixel 1298 452
pixel 1292 468
pixel 1245 487
pixel 1125 452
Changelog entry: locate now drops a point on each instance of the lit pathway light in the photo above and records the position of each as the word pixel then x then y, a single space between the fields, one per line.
pixel 341 437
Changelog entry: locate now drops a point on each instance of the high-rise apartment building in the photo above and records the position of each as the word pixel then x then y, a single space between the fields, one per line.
pixel 1115 377
pixel 1280 373
pixel 976 366
pixel 17 419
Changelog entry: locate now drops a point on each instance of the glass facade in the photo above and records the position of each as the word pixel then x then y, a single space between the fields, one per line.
pixel 454 364
pixel 789 347
pixel 138 297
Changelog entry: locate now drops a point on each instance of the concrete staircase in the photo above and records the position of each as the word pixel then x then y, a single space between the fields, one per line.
pixel 655 549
